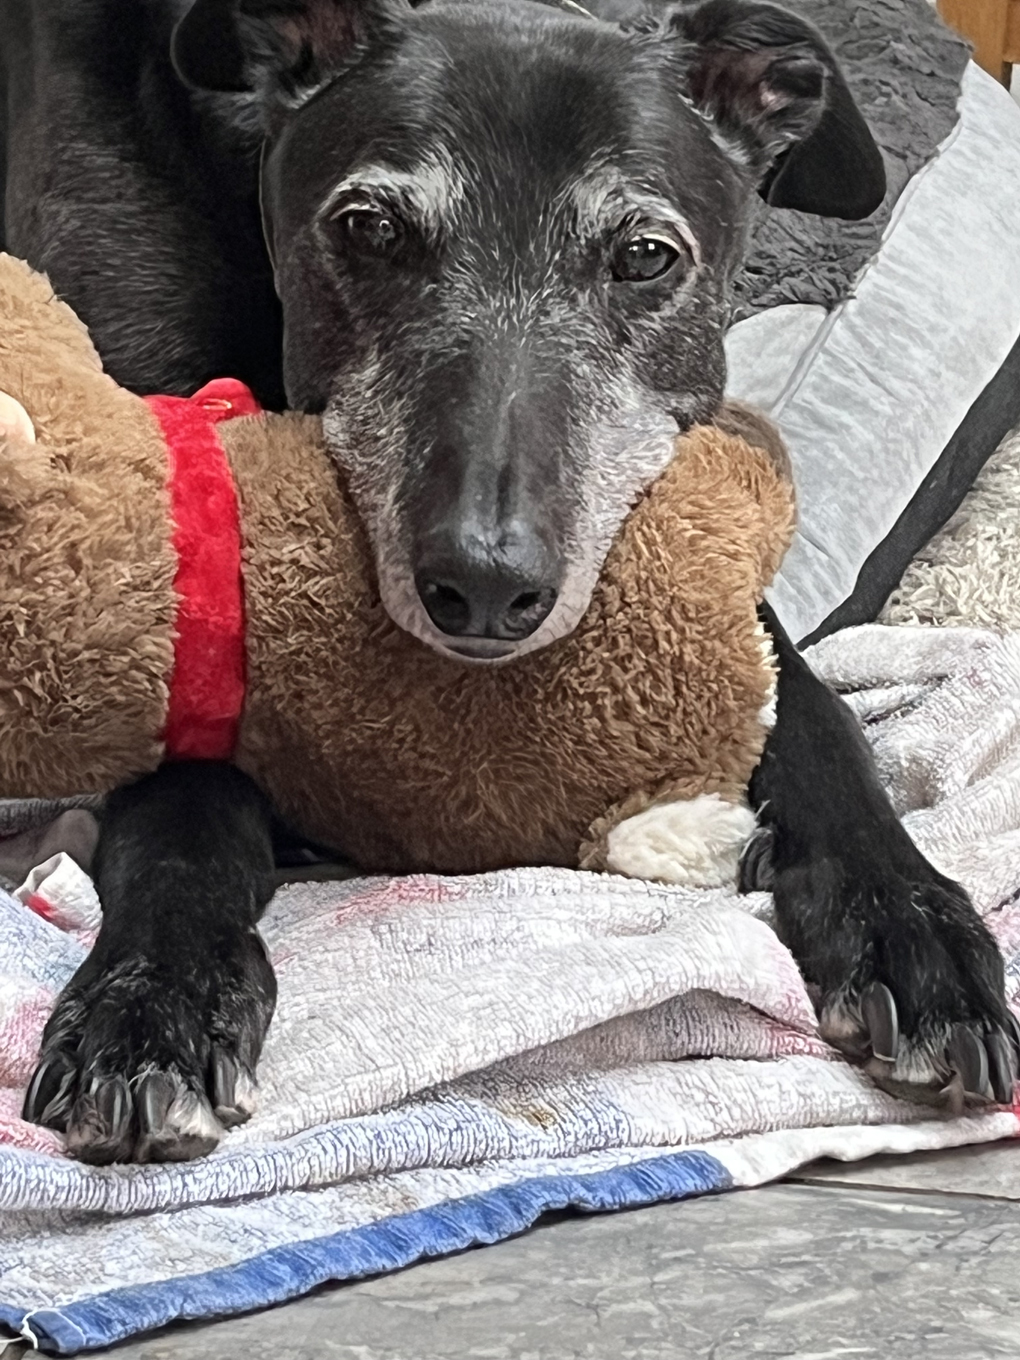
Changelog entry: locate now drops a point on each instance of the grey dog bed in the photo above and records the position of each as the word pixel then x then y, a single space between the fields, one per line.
pixel 904 68
pixel 888 350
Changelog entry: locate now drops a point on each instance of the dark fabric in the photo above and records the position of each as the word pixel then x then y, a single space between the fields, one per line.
pixel 903 66
pixel 75 832
pixel 988 421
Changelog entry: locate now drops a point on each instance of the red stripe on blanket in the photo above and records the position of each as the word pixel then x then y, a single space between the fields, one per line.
pixel 207 682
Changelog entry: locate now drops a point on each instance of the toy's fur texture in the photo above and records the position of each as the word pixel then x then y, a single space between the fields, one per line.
pixel 426 762
pixel 86 565
pixel 363 738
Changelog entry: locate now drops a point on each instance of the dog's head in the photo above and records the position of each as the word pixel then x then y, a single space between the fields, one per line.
pixel 503 234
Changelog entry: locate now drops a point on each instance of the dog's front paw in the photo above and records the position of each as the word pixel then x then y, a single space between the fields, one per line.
pixel 908 980
pixel 147 1064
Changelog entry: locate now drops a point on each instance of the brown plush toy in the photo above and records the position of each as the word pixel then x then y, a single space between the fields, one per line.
pixel 170 585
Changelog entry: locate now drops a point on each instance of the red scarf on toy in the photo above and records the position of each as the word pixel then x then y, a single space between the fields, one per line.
pixel 207 683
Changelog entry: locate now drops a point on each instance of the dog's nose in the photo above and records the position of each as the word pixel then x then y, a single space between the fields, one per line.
pixel 484 599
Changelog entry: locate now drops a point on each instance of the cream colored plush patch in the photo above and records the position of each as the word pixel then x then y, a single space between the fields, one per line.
pixel 15 422
pixel 695 843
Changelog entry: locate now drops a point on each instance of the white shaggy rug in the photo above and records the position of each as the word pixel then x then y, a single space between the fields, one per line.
pixel 969 574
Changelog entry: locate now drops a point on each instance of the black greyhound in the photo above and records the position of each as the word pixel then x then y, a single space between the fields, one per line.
pixel 501 234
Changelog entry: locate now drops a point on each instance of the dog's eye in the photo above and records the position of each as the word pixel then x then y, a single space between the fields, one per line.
pixel 643 258
pixel 369 231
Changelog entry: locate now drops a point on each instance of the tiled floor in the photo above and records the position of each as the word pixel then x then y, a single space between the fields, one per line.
pixel 913 1258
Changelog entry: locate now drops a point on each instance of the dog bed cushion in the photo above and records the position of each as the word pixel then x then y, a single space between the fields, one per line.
pixel 893 371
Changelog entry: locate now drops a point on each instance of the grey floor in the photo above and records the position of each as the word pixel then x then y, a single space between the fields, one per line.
pixel 912 1258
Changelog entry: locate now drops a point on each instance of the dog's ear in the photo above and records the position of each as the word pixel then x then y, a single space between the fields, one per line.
pixel 280 46
pixel 770 83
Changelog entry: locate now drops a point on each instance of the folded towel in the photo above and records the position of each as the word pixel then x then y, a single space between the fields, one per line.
pixel 451 1058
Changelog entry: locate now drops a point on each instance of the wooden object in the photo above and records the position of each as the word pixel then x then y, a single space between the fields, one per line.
pixel 993 26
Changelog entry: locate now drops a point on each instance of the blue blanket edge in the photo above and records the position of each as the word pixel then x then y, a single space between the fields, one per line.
pixel 289 1271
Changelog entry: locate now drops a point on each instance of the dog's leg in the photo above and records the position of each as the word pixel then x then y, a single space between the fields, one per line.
pixel 151 1050
pixel 908 978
